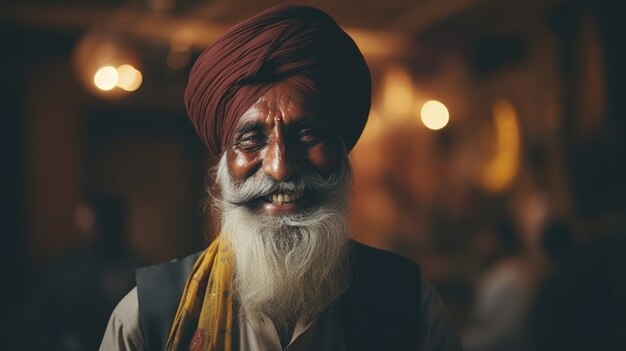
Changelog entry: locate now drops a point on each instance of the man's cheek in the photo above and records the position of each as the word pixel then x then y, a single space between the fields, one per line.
pixel 242 165
pixel 324 160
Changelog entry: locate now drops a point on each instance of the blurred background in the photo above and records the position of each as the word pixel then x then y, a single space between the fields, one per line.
pixel 493 156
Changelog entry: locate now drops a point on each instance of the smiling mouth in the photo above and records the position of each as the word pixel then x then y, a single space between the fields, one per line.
pixel 282 203
pixel 284 198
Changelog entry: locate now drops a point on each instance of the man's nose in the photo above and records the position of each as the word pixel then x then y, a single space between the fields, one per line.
pixel 280 161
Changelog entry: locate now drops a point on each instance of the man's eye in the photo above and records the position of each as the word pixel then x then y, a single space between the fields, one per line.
pixel 250 141
pixel 310 136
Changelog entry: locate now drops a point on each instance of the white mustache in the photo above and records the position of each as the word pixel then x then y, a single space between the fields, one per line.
pixel 261 185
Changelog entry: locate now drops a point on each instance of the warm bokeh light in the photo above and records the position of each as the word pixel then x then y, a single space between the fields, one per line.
pixel 129 78
pixel 502 168
pixel 126 75
pixel 181 40
pixel 136 82
pixel 106 78
pixel 434 115
pixel 398 93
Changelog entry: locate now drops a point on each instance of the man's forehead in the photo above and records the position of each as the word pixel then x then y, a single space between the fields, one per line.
pixel 258 119
pixel 290 107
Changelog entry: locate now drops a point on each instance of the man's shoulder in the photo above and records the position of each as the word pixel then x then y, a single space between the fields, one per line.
pixel 165 278
pixel 381 308
pixel 394 282
pixel 379 260
pixel 123 331
pixel 175 265
pixel 159 288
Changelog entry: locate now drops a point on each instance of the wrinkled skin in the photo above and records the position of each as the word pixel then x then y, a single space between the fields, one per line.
pixel 282 135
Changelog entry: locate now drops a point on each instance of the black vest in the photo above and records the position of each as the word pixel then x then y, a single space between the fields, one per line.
pixel 379 311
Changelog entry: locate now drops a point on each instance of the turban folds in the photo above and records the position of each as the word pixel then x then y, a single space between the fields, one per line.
pixel 300 45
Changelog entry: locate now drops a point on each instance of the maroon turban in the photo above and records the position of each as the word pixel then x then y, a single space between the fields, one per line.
pixel 300 45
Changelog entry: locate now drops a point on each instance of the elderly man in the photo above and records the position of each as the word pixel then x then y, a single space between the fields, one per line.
pixel 281 98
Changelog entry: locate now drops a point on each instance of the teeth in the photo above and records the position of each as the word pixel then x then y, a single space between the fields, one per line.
pixel 285 198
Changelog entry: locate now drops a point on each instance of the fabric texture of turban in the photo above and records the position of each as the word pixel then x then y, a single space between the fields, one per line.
pixel 300 45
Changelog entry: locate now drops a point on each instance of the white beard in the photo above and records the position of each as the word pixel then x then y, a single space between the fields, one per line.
pixel 287 267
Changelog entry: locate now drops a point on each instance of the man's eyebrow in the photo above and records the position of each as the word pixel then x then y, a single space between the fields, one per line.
pixel 311 121
pixel 303 121
pixel 247 126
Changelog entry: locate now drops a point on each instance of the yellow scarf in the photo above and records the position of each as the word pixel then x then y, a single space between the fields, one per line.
pixel 204 318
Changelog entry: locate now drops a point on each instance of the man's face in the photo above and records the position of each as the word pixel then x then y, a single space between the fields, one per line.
pixel 283 135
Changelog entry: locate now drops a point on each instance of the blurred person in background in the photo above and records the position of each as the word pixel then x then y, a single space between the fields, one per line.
pixel 581 304
pixel 71 304
pixel 280 99
pixel 557 243
pixel 498 320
